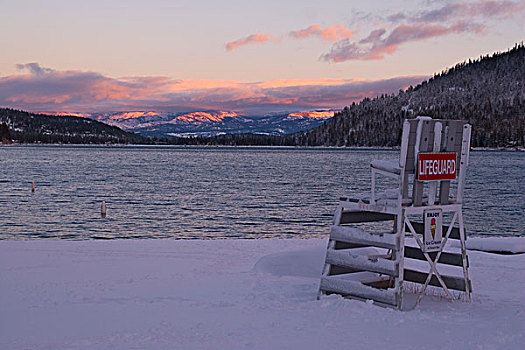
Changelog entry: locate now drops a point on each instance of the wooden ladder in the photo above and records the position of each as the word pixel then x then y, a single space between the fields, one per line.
pixel 362 263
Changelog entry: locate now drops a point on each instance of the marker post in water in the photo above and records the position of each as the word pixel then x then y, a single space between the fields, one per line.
pixel 33 186
pixel 103 209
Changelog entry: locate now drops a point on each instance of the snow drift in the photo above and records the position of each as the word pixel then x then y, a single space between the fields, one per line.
pixel 231 294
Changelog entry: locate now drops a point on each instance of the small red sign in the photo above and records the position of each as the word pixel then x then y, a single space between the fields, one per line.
pixel 436 166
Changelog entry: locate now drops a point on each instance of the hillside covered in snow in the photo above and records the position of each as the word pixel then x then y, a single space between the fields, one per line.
pixel 488 92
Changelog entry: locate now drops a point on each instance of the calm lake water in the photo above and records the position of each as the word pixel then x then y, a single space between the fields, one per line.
pixel 159 192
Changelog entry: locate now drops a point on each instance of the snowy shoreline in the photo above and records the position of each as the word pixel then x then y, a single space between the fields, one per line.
pixel 232 294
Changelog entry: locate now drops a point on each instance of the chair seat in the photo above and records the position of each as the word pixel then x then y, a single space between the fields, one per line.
pixel 390 166
pixel 388 198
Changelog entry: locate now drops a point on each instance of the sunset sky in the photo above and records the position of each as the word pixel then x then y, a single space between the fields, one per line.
pixel 244 56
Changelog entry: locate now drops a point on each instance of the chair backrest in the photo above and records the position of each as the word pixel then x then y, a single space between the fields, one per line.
pixel 424 134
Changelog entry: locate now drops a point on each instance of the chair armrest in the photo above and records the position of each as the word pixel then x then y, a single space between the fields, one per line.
pixel 389 166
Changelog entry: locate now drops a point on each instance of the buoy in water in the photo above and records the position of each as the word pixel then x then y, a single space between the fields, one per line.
pixel 33 186
pixel 103 209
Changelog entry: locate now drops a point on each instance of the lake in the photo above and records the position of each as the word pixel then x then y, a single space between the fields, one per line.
pixel 206 192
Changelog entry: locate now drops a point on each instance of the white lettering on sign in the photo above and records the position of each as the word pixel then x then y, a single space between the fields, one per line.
pixel 436 166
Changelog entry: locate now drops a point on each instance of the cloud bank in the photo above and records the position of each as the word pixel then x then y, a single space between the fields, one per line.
pixel 45 89
pixel 463 10
pixel 376 46
pixel 402 28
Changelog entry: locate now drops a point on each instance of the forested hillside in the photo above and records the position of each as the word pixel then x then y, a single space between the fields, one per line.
pixel 25 127
pixel 488 92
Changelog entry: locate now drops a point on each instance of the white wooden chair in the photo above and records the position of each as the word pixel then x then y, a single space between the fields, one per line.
pixel 367 248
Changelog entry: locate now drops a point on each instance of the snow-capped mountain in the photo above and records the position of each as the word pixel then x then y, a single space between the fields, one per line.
pixel 211 123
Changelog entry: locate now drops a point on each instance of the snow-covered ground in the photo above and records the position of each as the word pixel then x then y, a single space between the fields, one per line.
pixel 232 294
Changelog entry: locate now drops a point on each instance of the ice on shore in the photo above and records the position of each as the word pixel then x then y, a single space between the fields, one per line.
pixel 232 294
pixel 504 245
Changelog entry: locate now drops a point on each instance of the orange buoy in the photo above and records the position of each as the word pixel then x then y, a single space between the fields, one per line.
pixel 33 186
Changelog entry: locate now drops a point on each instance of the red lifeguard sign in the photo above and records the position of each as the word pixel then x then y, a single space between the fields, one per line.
pixel 436 166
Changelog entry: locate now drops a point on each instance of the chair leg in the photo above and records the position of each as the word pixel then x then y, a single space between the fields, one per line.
pixel 331 244
pixel 400 256
pixel 373 188
pixel 464 253
pixel 326 268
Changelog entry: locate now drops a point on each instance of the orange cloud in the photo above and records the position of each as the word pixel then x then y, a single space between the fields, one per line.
pixel 251 39
pixel 299 82
pixel 197 84
pixel 45 89
pixel 331 33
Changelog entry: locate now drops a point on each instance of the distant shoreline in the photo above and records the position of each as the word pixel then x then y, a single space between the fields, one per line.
pixel 379 148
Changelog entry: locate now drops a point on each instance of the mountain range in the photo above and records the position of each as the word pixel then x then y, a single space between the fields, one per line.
pixel 153 127
pixel 212 123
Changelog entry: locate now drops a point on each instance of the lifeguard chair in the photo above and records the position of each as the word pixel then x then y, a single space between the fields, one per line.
pixel 379 241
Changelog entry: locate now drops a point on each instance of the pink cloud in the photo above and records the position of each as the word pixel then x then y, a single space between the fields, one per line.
pixel 331 33
pixel 375 47
pixel 374 36
pixel 459 17
pixel 257 38
pixel 34 68
pixel 486 8
pixel 45 89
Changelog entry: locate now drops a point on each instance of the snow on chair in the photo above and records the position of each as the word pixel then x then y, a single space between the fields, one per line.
pixel 376 241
